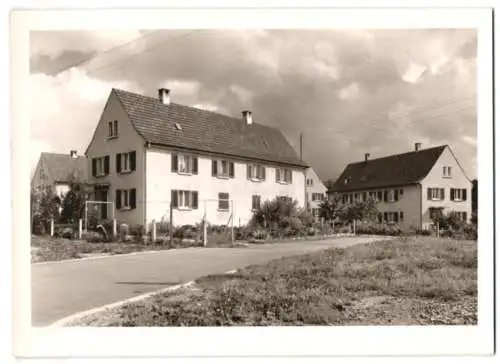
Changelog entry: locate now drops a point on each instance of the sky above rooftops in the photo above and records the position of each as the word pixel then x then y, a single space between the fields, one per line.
pixel 349 92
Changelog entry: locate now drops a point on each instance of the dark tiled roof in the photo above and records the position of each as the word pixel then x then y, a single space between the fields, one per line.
pixel 205 130
pixel 59 167
pixel 395 170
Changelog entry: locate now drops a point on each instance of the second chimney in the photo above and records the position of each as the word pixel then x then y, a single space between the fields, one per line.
pixel 73 154
pixel 247 117
pixel 164 96
pixel 367 156
pixel 417 146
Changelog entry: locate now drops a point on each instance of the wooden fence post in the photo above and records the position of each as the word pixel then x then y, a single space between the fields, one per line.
pixel 80 223
pixel 204 231
pixel 153 231
pixel 171 223
pixel 114 228
pixel 51 227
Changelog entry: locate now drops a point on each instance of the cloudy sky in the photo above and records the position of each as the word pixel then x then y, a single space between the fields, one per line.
pixel 349 92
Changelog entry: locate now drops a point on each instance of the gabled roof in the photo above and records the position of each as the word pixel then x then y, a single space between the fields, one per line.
pixel 203 130
pixel 59 167
pixel 394 170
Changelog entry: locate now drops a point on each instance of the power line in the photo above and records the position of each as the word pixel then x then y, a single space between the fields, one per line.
pixel 109 50
pixel 162 44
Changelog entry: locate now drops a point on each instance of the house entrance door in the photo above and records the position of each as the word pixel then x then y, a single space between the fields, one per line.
pixel 101 194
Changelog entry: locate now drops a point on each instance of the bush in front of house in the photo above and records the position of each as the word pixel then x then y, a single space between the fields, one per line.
pixel 371 228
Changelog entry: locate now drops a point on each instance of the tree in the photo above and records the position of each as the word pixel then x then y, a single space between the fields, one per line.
pixel 331 208
pixel 45 205
pixel 73 204
pixel 474 196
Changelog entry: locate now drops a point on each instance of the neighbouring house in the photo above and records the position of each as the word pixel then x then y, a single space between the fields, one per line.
pixel 58 170
pixel 410 188
pixel 148 154
pixel 315 192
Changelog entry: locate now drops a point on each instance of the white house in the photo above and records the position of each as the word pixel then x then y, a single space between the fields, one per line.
pixel 411 187
pixel 58 170
pixel 315 192
pixel 148 154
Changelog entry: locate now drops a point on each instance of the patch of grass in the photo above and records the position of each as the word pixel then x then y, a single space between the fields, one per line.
pixel 407 282
pixel 45 249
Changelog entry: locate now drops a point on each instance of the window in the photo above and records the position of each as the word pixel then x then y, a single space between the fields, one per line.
pixel 380 196
pixel 223 201
pixel 435 194
pixel 435 212
pixel 125 199
pixel 372 196
pixel 392 217
pixel 283 175
pixel 392 196
pixel 357 197
pixel 256 172
pixel 345 198
pixel 125 162
pixel 285 198
pixel 222 168
pixel 113 129
pixel 315 212
pixel 317 196
pixel 255 202
pixel 460 215
pixel 100 166
pixel 309 182
pixel 401 216
pixel 458 194
pixel 446 172
pixel 184 164
pixel 184 200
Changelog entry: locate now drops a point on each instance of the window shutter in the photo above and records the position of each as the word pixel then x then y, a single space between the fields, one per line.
pixel 277 174
pixel 195 165
pixel 94 167
pixel 442 193
pixel 118 199
pixel 429 193
pixel 132 198
pixel 396 195
pixel 401 216
pixel 118 162
pixel 214 168
pixel 132 161
pixel 386 193
pixel 231 169
pixel 396 217
pixel 290 176
pixel 173 198
pixel 175 166
pixel 115 124
pixel 452 194
pixel 263 176
pixel 464 194
pixel 249 171
pixel 194 199
pixel 464 216
pixel 106 165
pixel 385 216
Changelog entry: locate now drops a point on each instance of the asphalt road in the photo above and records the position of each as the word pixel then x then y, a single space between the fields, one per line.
pixel 61 289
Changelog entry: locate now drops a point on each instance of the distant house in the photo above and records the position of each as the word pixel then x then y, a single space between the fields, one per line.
pixel 58 170
pixel 410 188
pixel 149 154
pixel 315 192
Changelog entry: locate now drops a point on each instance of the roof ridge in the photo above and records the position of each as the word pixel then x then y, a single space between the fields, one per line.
pixel 401 154
pixel 194 108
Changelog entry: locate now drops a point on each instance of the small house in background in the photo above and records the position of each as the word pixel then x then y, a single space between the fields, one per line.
pixel 315 192
pixel 409 188
pixel 58 170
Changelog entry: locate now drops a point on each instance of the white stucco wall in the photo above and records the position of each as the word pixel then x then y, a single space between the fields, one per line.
pixel 160 181
pixel 317 187
pixel 128 140
pixel 435 179
pixel 408 203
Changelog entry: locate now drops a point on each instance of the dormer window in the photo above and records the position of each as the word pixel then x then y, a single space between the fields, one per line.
pixel 347 180
pixel 113 129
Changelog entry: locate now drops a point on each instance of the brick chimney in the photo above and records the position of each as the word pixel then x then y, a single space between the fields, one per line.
pixel 73 154
pixel 367 156
pixel 418 146
pixel 247 117
pixel 164 96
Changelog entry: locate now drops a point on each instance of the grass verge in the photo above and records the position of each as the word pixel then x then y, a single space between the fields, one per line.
pixel 418 281
pixel 47 249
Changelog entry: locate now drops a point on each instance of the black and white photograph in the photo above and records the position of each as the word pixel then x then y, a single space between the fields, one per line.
pixel 258 175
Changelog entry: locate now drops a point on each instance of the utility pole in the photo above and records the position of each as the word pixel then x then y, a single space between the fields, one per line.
pixel 301 141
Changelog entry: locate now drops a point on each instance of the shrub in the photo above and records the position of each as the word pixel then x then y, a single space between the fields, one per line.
pixel 291 226
pixel 92 237
pixel 186 232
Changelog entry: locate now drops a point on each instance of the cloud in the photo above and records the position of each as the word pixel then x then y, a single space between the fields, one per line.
pixel 348 91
